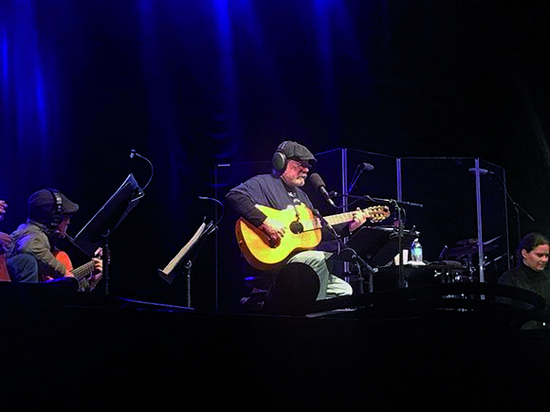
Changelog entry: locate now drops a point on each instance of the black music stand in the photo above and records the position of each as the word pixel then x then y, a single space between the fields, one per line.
pixel 99 229
pixel 188 252
pixel 378 246
pixel 369 241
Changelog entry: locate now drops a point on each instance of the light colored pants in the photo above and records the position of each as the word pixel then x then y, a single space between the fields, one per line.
pixel 330 286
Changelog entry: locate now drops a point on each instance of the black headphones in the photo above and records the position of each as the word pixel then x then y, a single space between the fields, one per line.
pixel 56 217
pixel 279 158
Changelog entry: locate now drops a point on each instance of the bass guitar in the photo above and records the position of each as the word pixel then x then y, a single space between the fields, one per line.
pixel 303 232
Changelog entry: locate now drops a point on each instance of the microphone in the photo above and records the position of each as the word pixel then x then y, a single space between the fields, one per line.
pixel 366 167
pixel 361 167
pixel 481 171
pixel 319 184
pixel 133 154
pixel 211 199
pixel 211 227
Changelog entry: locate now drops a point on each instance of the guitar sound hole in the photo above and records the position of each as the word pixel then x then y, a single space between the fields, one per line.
pixel 296 227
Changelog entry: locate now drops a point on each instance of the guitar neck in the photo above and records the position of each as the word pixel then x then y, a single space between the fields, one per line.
pixel 83 271
pixel 340 218
pixel 332 220
pixel 346 217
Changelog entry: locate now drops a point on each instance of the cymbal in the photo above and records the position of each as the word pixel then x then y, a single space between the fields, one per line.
pixel 473 242
pixel 467 242
pixel 460 251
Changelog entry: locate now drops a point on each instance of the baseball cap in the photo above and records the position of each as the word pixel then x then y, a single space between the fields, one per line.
pixel 43 203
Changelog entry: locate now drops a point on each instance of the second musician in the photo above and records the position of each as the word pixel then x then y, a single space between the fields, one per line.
pixel 49 215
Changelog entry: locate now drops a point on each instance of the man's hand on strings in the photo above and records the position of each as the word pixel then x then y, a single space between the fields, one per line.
pixel 359 218
pixel 98 267
pixel 274 230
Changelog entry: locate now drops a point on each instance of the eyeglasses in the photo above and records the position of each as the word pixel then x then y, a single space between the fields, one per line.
pixel 302 163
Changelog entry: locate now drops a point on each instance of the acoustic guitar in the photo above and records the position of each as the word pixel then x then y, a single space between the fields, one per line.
pixel 4 275
pixel 303 232
pixel 80 273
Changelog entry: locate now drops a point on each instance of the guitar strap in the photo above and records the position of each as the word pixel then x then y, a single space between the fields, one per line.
pixel 292 195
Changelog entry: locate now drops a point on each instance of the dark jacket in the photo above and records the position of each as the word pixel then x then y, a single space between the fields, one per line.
pixel 33 238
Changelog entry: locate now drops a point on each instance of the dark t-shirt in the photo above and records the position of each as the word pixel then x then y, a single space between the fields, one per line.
pixel 270 190
pixel 267 190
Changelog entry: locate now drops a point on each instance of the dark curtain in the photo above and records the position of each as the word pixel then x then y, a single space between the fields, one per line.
pixel 194 83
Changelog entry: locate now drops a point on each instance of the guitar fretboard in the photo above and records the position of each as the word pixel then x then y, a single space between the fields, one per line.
pixel 340 218
pixel 333 220
pixel 84 270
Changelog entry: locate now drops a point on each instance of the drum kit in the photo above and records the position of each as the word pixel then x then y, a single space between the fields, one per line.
pixel 378 247
pixel 467 248
pixel 458 264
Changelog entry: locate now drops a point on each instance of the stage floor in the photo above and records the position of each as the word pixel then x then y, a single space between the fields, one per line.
pixel 69 348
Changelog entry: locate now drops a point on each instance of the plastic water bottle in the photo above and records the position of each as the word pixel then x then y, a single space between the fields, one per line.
pixel 416 251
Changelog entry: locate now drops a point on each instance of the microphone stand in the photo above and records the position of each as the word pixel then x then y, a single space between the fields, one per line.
pixel 517 208
pixel 355 179
pixel 400 235
pixel 358 262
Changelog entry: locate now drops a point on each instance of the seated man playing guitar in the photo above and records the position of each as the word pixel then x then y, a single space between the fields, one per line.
pixel 277 227
pixel 24 265
pixel 49 213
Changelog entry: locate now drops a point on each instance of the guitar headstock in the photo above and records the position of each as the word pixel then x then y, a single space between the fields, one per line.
pixel 377 213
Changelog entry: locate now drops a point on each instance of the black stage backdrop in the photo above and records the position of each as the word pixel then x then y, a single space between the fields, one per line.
pixel 194 83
